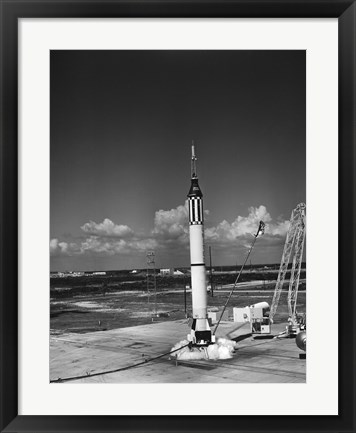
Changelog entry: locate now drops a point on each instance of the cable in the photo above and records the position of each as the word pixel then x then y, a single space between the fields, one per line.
pixel 260 229
pixel 66 379
pixel 257 344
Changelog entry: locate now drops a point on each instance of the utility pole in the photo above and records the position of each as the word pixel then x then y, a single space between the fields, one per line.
pixel 211 274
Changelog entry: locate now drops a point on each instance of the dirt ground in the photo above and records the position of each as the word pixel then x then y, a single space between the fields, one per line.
pixel 83 313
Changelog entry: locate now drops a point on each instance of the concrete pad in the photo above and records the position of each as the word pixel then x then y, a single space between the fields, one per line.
pixel 255 361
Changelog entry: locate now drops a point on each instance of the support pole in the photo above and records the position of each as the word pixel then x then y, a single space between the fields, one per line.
pixel 211 274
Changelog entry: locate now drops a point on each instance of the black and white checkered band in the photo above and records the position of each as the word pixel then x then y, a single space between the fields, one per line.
pixel 196 210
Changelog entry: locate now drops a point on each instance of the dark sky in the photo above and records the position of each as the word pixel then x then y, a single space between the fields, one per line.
pixel 122 123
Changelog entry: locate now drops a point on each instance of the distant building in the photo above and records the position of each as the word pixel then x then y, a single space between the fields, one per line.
pixel 99 273
pixel 167 271
pixel 134 271
pixel 170 271
pixel 178 272
pixel 66 274
pixel 77 274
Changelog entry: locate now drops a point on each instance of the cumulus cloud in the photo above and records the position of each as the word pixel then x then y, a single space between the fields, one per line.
pixel 243 226
pixel 107 228
pixel 171 224
pixel 170 233
pixel 278 229
pixel 105 246
pixel 95 244
pixel 108 238
pixel 142 245
pixel 62 248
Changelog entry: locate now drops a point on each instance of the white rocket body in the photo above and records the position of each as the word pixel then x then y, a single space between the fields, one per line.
pixel 200 333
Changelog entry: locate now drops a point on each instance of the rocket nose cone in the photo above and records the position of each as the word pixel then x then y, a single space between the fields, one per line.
pixel 195 189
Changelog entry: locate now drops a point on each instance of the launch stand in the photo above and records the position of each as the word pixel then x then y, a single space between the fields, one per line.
pixel 201 334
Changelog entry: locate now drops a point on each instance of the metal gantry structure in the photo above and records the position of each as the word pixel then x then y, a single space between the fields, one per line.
pixel 294 244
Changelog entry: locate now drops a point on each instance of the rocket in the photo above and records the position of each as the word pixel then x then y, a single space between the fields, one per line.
pixel 200 334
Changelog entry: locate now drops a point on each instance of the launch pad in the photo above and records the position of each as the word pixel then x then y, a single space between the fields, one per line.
pixel 254 361
pixel 153 352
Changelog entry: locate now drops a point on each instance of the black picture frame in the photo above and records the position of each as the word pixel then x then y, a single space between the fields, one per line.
pixel 11 11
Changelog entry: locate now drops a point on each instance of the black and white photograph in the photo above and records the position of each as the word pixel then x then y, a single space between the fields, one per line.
pixel 177 192
pixel 177 216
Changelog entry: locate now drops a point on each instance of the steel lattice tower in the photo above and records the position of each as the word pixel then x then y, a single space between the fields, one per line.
pixel 294 242
pixel 151 278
